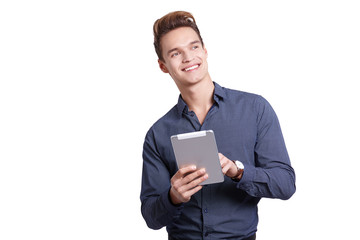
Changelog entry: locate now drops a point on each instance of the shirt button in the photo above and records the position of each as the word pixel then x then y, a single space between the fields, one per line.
pixel 205 210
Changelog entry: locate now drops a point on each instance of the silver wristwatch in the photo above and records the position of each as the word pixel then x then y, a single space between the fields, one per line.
pixel 240 170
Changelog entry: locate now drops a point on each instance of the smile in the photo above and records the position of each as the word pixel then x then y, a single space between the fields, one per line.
pixel 191 68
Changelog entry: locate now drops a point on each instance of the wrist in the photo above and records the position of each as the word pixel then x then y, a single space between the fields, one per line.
pixel 240 170
pixel 173 199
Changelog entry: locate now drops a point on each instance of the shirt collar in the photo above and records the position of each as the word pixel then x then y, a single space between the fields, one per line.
pixel 219 94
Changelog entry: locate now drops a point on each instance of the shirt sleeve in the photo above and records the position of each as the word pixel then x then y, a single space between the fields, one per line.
pixel 272 176
pixel 156 207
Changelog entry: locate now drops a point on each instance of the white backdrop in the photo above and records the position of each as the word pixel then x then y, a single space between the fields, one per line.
pixel 80 87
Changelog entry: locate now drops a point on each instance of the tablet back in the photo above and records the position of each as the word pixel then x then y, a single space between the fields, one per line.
pixel 198 148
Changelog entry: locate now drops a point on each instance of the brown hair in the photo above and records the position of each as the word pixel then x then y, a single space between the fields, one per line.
pixel 170 22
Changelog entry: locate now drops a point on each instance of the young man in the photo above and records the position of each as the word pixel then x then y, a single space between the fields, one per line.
pixel 253 155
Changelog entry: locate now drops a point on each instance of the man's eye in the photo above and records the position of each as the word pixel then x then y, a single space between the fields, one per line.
pixel 174 54
pixel 195 47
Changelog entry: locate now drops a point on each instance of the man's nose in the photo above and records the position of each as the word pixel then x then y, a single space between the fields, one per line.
pixel 187 56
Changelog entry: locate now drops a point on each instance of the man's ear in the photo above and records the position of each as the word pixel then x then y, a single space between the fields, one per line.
pixel 162 66
pixel 206 52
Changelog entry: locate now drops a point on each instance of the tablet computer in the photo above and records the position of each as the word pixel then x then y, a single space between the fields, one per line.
pixel 200 149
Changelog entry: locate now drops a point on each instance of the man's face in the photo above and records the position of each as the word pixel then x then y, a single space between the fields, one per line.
pixel 185 59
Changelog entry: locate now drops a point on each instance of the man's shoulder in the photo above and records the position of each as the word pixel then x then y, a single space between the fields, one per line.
pixel 243 101
pixel 239 95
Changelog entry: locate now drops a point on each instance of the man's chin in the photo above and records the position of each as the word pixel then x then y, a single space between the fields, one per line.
pixel 189 82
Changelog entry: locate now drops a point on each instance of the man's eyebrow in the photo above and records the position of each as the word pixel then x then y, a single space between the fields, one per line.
pixel 193 42
pixel 175 49
pixel 172 50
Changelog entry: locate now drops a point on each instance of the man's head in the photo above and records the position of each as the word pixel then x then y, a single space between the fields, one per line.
pixel 170 22
pixel 180 49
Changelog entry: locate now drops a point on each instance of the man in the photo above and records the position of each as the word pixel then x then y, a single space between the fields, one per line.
pixel 253 155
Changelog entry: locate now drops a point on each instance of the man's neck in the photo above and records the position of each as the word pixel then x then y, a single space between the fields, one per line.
pixel 199 98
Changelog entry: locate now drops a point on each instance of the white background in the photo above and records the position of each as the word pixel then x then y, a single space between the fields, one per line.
pixel 80 87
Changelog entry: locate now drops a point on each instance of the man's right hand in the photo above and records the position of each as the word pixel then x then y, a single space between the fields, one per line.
pixel 185 183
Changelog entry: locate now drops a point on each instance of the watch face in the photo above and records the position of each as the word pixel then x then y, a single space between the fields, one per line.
pixel 239 164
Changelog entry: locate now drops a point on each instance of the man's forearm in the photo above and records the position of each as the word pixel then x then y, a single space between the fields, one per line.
pixel 158 211
pixel 277 182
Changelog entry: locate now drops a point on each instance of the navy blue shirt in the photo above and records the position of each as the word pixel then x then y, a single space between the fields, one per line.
pixel 246 128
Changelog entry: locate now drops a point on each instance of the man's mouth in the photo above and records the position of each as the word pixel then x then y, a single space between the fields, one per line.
pixel 191 67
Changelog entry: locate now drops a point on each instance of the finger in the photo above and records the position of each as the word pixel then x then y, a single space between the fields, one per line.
pixel 222 158
pixel 190 177
pixel 226 168
pixel 196 181
pixel 191 192
pixel 223 161
pixel 185 170
pixel 183 176
pixel 192 184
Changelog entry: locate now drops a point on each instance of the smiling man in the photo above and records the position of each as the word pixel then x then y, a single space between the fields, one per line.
pixel 253 155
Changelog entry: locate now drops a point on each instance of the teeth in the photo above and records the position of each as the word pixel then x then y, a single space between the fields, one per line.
pixel 191 68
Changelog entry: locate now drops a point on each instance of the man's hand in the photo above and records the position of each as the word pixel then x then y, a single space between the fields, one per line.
pixel 185 183
pixel 228 167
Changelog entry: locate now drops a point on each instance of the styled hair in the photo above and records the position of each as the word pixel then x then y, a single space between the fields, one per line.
pixel 170 22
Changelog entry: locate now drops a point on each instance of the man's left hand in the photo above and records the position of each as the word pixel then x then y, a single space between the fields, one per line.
pixel 228 167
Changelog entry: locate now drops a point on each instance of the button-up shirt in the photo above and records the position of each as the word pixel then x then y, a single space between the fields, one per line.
pixel 246 129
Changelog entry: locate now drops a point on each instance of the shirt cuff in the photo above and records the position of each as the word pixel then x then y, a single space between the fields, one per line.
pixel 169 206
pixel 247 178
